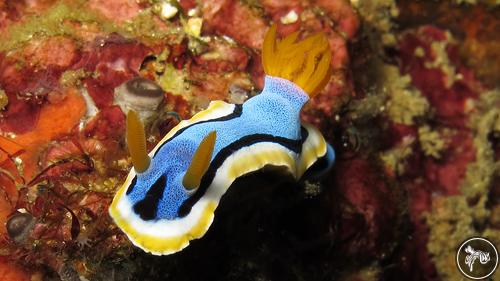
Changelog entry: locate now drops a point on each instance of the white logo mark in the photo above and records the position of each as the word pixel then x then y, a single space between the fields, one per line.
pixel 473 255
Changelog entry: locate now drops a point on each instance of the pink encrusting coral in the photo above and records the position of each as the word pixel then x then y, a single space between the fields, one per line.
pixel 450 89
pixel 117 10
pixel 437 73
pixel 236 20
pixel 115 60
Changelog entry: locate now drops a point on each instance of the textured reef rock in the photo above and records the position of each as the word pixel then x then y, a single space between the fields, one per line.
pixel 438 143
pixel 411 110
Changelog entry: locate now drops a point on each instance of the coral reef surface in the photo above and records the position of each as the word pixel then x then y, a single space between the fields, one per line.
pixel 412 109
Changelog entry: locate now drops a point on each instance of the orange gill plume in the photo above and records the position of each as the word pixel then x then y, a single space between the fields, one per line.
pixel 305 62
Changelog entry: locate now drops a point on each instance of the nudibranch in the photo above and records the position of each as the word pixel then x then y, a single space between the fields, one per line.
pixel 171 193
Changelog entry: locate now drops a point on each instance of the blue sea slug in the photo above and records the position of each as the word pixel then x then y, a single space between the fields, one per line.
pixel 170 195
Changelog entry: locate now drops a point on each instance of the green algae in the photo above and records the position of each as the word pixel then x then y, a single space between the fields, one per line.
pixel 379 18
pixel 73 78
pixel 395 158
pixel 442 61
pixel 475 2
pixel 69 19
pixel 486 121
pixel 143 26
pixel 455 218
pixel 405 103
pixel 450 224
pixel 56 21
pixel 431 142
pixel 372 105
pixel 174 80
pixel 4 100
pixel 392 94
pixel 371 272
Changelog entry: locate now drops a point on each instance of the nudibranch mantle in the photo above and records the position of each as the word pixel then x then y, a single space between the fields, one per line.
pixel 171 194
pixel 265 130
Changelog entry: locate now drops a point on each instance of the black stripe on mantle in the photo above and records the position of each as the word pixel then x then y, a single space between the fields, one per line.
pixel 147 208
pixel 208 177
pixel 237 111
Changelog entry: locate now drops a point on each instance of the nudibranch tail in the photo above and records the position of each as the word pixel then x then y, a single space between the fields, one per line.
pixel 136 141
pixel 305 62
pixel 199 163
